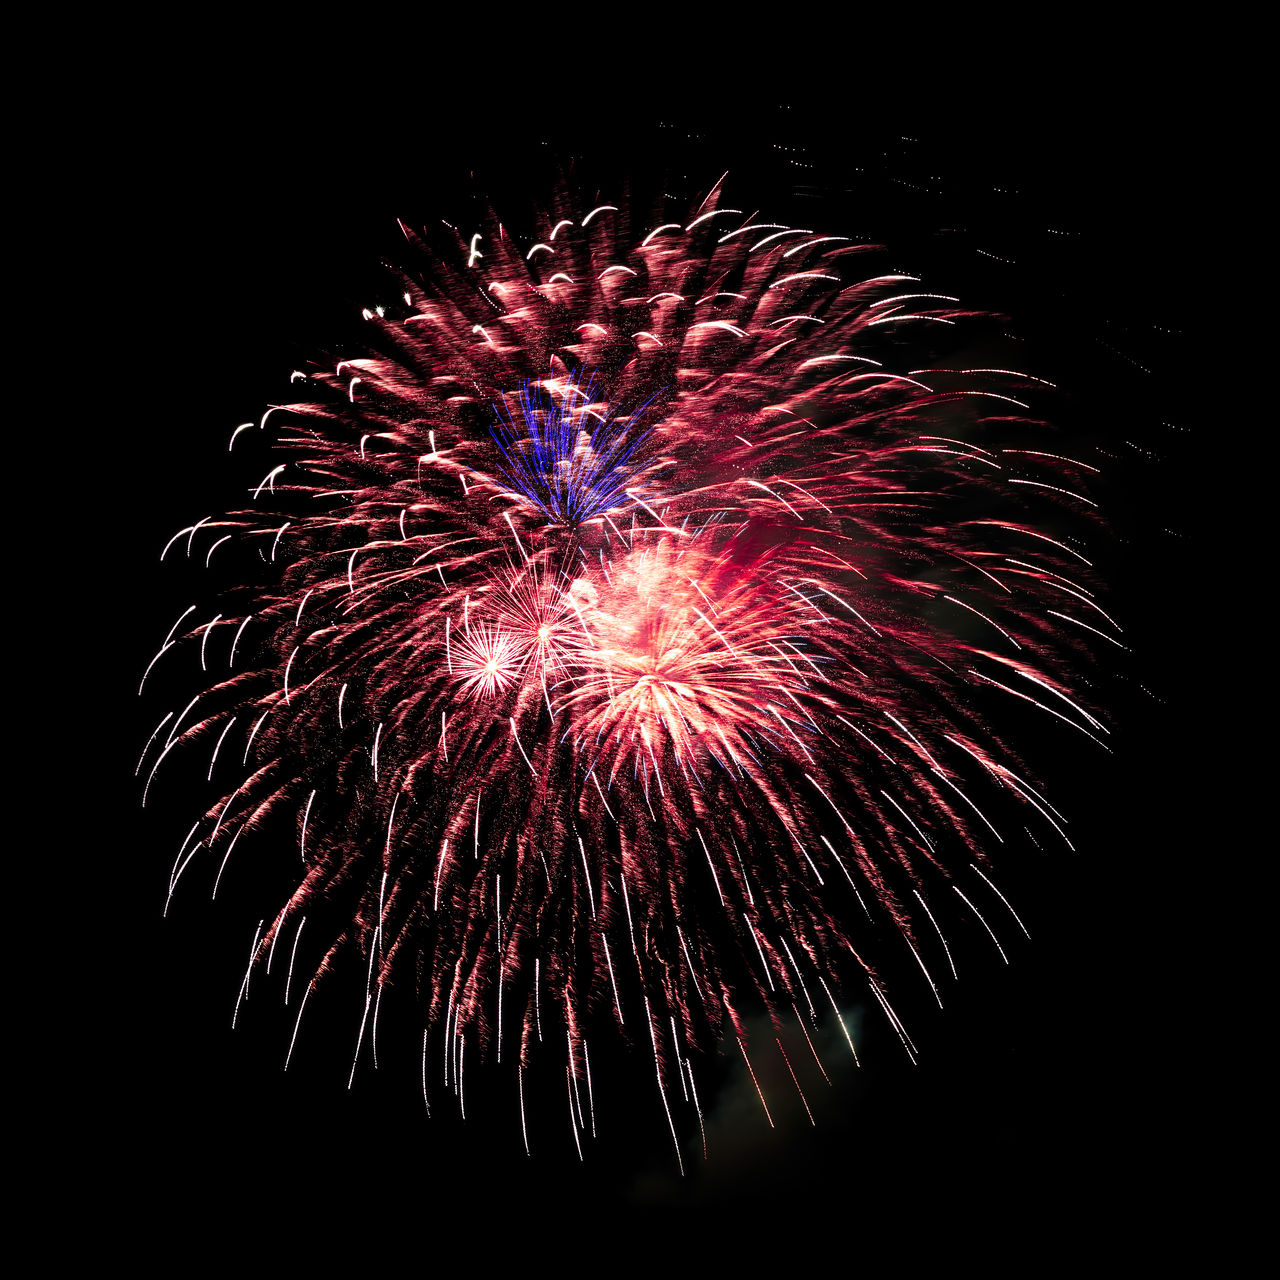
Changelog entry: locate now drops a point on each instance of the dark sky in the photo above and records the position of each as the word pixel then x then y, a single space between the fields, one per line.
pixel 243 216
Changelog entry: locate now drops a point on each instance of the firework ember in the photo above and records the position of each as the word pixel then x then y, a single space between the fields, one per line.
pixel 639 609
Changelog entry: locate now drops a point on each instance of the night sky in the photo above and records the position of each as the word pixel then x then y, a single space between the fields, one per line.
pixel 248 221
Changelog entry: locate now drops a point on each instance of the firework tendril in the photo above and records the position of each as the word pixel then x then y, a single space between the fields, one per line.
pixel 635 627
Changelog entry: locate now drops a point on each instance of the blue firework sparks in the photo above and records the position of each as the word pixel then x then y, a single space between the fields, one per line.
pixel 567 457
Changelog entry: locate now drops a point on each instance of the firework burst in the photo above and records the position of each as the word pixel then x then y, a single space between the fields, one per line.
pixel 638 609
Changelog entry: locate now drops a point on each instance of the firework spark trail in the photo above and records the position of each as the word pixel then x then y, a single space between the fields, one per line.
pixel 609 555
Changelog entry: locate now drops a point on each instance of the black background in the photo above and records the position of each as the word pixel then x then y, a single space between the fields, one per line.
pixel 237 220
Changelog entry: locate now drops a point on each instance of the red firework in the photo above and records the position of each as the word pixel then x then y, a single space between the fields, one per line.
pixel 635 621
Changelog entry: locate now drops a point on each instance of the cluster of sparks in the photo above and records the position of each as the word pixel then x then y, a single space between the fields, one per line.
pixel 635 627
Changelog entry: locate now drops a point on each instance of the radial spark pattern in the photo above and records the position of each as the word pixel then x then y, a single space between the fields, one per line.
pixel 638 614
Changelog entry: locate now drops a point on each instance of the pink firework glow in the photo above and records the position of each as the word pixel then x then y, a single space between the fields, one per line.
pixel 639 608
